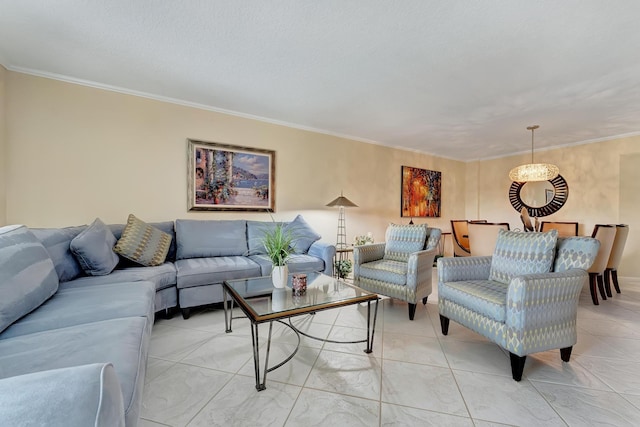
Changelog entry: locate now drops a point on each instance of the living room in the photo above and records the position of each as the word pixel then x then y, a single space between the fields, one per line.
pixel 73 150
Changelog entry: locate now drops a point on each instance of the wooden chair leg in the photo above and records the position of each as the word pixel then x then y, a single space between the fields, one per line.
pixel 565 353
pixel 412 311
pixel 607 282
pixel 424 300
pixel 517 366
pixel 444 324
pixel 601 287
pixel 614 277
pixel 592 288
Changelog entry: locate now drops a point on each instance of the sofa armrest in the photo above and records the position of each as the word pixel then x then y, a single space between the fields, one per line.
pixel 420 266
pixel 543 304
pixel 464 268
pixel 368 253
pixel 326 252
pixel 87 395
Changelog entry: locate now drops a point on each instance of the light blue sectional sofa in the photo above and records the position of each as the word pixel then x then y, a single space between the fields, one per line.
pixel 73 346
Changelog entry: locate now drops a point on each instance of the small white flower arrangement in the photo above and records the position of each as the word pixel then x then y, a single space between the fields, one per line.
pixel 363 240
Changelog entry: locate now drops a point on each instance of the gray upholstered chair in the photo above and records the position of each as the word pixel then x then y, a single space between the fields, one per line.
pixel 524 298
pixel 611 272
pixel 401 266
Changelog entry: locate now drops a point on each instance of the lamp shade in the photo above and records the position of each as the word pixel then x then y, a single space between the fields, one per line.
pixel 342 202
pixel 534 172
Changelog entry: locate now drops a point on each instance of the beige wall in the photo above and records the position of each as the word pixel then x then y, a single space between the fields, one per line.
pixel 603 183
pixel 75 153
pixel 3 165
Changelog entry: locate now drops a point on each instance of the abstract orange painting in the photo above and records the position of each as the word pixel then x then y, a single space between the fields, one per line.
pixel 421 191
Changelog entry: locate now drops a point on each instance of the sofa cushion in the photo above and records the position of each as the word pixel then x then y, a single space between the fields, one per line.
pixel 86 395
pixel 518 253
pixel 302 233
pixel 93 249
pixel 403 240
pixel 57 241
pixel 143 243
pixel 208 271
pixel 201 239
pixel 481 296
pixel 255 234
pixel 385 270
pixel 27 275
pixel 162 276
pixel 71 307
pixel 123 342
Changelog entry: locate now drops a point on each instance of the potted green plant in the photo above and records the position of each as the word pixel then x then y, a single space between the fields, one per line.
pixel 343 267
pixel 277 243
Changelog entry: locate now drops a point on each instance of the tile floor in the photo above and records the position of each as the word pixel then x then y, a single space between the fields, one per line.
pixel 199 376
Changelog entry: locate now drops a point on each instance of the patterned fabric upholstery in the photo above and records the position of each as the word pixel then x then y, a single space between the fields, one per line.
pixel 143 243
pixel 485 296
pixel 402 240
pixel 575 252
pixel 386 271
pixel 532 312
pixel 522 253
pixel 385 268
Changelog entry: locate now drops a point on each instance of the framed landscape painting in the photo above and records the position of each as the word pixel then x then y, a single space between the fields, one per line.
pixel 420 192
pixel 223 177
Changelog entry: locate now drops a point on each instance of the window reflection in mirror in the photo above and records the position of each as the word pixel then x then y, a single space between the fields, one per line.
pixel 537 194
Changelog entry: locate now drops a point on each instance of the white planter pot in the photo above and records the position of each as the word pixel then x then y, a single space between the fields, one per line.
pixel 279 276
pixel 278 299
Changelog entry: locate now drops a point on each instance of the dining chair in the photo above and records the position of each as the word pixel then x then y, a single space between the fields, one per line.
pixel 565 229
pixel 460 235
pixel 483 237
pixel 611 272
pixel 606 234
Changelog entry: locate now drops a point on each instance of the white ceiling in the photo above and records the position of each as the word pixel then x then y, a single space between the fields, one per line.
pixel 459 79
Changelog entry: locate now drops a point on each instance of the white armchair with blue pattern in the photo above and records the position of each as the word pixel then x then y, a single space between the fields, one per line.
pixel 523 298
pixel 401 266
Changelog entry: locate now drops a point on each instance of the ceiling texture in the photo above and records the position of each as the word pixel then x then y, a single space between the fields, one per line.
pixel 457 79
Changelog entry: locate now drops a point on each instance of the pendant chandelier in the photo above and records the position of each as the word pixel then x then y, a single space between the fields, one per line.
pixel 533 171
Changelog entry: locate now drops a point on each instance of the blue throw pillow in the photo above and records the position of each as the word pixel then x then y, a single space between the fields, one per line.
pixel 518 253
pixel 302 233
pixel 27 275
pixel 93 248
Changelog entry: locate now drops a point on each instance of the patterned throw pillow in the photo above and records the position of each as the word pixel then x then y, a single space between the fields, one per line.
pixel 93 248
pixel 402 240
pixel 520 253
pixel 143 243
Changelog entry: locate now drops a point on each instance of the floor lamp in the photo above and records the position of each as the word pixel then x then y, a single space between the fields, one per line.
pixel 342 202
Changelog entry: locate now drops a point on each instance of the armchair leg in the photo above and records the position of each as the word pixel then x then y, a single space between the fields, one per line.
pixel 412 311
pixel 517 366
pixel 565 353
pixel 444 324
pixel 424 300
pixel 592 288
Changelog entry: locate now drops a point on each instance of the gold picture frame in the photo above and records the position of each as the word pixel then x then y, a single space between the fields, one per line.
pixel 224 177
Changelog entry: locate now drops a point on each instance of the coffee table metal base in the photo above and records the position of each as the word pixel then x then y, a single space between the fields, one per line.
pixel 261 380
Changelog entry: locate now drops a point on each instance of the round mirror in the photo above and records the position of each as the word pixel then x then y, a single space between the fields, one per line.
pixel 537 194
pixel 540 198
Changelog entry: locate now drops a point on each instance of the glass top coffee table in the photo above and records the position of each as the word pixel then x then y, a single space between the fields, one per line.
pixel 261 302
